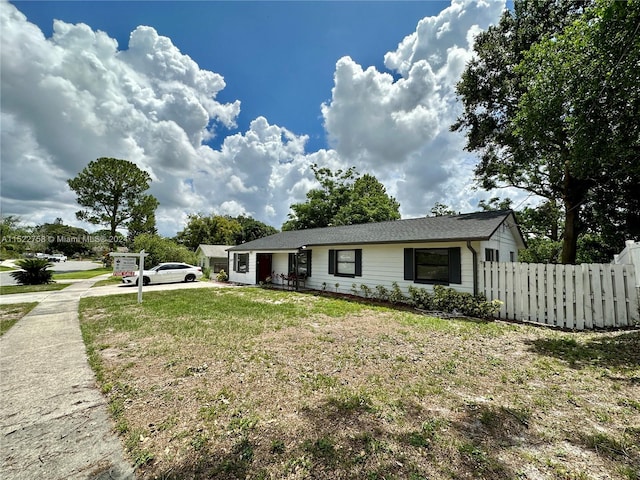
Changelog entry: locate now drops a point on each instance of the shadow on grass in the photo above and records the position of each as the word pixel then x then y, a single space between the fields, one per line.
pixel 620 351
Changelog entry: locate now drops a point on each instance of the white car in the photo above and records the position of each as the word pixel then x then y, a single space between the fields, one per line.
pixel 167 273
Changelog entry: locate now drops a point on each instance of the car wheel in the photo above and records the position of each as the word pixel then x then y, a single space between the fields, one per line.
pixel 190 278
pixel 146 281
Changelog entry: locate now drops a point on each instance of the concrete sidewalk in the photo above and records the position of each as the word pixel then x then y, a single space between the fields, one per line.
pixel 54 422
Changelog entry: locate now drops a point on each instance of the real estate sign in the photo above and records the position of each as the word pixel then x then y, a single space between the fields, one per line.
pixel 124 266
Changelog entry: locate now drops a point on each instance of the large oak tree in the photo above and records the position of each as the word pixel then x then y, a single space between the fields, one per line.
pixel 551 105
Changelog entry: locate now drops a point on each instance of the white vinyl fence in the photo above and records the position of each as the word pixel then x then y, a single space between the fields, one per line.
pixel 580 297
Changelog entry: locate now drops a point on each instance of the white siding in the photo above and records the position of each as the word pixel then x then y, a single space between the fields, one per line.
pixel 248 277
pixel 280 263
pixel 382 265
pixel 503 241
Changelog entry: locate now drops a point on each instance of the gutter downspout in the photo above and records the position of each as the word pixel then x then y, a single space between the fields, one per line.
pixel 475 267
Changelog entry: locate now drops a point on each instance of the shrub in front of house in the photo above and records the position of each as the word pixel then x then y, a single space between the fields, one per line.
pixel 446 299
pixel 34 271
pixel 222 276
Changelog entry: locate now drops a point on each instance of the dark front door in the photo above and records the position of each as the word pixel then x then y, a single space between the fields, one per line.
pixel 264 267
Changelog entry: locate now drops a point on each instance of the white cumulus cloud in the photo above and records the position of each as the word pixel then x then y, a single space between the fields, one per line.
pixel 396 124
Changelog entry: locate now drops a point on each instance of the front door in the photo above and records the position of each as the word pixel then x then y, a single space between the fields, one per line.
pixel 263 269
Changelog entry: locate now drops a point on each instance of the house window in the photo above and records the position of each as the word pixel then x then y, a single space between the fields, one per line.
pixel 512 256
pixel 433 265
pixel 241 262
pixel 491 255
pixel 345 263
pixel 303 262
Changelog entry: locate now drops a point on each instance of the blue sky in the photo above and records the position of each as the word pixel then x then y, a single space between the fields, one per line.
pixel 227 104
pixel 277 57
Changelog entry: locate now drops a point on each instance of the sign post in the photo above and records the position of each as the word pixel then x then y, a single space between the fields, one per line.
pixel 124 265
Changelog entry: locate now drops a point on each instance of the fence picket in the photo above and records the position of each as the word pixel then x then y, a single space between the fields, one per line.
pixel 621 317
pixel 550 294
pixel 570 320
pixel 633 297
pixel 577 297
pixel 596 293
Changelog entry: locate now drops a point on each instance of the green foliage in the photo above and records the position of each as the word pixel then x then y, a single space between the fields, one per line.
pixel 34 272
pixel 368 203
pixel 396 295
pixel 442 210
pixel 162 250
pixel 222 230
pixel 112 192
pixel 222 276
pixel 11 235
pixel 143 217
pixel 343 198
pixel 206 273
pixel 252 229
pixel 448 300
pixel 551 104
pixel 382 293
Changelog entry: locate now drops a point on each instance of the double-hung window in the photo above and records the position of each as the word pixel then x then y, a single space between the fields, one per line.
pixel 345 263
pixel 241 262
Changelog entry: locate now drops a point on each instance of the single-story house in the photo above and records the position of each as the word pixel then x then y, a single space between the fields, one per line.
pixel 212 256
pixel 422 252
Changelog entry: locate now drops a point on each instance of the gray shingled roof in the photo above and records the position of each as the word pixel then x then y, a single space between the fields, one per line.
pixel 471 226
pixel 214 251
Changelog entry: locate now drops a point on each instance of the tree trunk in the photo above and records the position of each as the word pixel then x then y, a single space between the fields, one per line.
pixel 570 240
pixel 575 192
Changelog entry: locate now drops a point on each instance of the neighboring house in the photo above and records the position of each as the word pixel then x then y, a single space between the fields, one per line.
pixel 212 256
pixel 420 251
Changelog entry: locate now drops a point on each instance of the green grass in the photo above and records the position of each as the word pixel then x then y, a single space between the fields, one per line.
pixel 108 281
pixel 10 314
pixel 256 383
pixel 11 289
pixel 82 274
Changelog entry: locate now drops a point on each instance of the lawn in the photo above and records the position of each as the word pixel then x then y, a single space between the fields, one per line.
pixel 10 314
pixel 108 281
pixel 82 274
pixel 11 289
pixel 251 383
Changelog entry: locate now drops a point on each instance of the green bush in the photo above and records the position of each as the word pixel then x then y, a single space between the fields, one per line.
pixel 161 250
pixel 420 298
pixel 34 272
pixel 446 299
pixel 206 273
pixel 382 293
pixel 396 295
pixel 222 276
